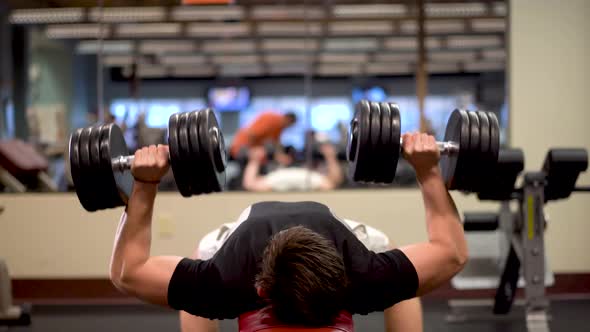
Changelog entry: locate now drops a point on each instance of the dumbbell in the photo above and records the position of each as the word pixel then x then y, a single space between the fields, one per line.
pixel 469 151
pixel 101 165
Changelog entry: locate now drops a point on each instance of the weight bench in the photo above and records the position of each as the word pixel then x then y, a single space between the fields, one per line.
pixel 264 321
pixel 21 166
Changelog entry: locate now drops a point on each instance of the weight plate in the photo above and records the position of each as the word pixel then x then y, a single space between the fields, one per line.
pixel 175 156
pixel 472 173
pixel 358 141
pixel 396 136
pixel 184 152
pixel 97 175
pixel 75 169
pixel 484 149
pixel 112 145
pixel 198 182
pixel 376 153
pixel 385 163
pixel 112 197
pixel 86 168
pixel 211 143
pixel 451 164
pixel 494 141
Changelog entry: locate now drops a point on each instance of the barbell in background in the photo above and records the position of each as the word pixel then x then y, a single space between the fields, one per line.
pixel 100 162
pixel 468 154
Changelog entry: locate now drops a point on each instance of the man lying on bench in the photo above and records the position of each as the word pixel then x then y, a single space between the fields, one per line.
pixel 297 260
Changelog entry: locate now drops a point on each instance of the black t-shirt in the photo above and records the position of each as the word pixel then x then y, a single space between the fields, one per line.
pixel 223 286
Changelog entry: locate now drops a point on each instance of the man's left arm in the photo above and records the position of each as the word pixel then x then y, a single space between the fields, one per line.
pixel 132 269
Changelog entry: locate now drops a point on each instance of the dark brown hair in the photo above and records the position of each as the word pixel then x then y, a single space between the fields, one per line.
pixel 303 277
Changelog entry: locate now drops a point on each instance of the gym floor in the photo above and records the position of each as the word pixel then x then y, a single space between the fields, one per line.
pixel 567 315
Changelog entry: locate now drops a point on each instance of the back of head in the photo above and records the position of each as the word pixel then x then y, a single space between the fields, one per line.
pixel 291 118
pixel 303 277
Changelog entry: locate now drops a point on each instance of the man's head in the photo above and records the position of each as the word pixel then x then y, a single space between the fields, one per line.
pixel 290 119
pixel 303 277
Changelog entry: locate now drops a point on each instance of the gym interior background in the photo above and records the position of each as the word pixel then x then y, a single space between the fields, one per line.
pixel 525 60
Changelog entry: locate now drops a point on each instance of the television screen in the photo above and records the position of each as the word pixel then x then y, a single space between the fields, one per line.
pixel 374 93
pixel 230 98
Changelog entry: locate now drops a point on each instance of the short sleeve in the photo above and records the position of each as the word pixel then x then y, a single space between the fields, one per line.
pixel 193 288
pixel 389 278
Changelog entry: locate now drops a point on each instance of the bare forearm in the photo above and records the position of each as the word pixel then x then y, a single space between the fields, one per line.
pixel 250 174
pixel 443 223
pixel 334 171
pixel 133 238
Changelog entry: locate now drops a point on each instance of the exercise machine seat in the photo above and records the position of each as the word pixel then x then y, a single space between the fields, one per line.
pixel 264 321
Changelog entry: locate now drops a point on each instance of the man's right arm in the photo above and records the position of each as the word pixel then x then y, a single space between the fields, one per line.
pixel 445 253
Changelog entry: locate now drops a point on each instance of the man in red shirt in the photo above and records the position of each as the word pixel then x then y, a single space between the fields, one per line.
pixel 267 127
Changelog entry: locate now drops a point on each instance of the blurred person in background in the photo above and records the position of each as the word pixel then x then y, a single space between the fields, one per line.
pixel 266 128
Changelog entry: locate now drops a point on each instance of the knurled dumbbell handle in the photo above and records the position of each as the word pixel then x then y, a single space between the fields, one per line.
pixel 445 148
pixel 123 163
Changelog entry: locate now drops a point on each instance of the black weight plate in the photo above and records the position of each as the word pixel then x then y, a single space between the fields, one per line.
pixel 82 191
pixel 98 178
pixel 86 169
pixel 484 149
pixel 112 197
pixel 185 155
pixel 385 164
pixel 359 142
pixel 211 141
pixel 472 173
pixel 457 130
pixel 376 152
pixel 176 157
pixel 113 145
pixel 396 136
pixel 494 140
pixel 198 181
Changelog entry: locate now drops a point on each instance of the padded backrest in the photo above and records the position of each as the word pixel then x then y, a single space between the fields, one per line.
pixel 264 321
pixel 20 158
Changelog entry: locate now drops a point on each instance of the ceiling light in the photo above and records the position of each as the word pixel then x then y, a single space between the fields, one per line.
pixel 366 11
pixel 494 54
pixel 46 15
pixel 488 25
pixel 286 58
pixel 108 46
pixel 183 60
pixel 361 28
pixel 468 9
pixel 451 56
pixel 127 14
pixel 207 13
pixel 235 59
pixel 410 43
pixel 338 44
pixel 167 46
pixel 149 30
pixel 473 41
pixel 294 45
pixel 345 58
pixel 377 68
pixel 434 27
pixel 484 66
pixel 229 46
pixel 217 30
pixel 286 28
pixel 76 31
pixel 117 60
pixel 286 12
